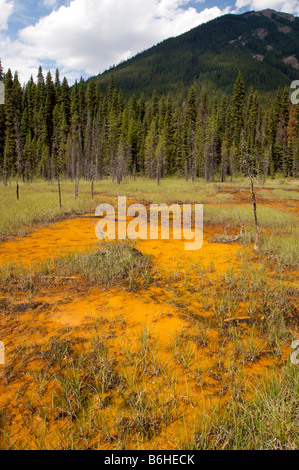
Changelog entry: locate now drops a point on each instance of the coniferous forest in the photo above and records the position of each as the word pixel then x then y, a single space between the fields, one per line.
pixel 51 130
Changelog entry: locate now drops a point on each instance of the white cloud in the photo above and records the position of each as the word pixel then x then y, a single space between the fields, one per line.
pixel 6 9
pixel 286 6
pixel 91 35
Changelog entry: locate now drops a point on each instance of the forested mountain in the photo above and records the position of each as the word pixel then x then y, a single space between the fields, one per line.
pixel 263 45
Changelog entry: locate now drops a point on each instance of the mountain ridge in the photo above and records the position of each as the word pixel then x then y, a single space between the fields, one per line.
pixel 263 45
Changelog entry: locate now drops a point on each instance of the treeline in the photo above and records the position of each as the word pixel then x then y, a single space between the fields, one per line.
pixel 50 130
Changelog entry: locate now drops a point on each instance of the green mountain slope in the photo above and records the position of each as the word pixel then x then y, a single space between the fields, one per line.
pixel 263 45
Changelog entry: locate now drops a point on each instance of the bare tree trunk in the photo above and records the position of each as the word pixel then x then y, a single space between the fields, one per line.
pixel 96 146
pixel 223 164
pixel 186 171
pixel 49 167
pixel 257 232
pixel 266 167
pixel 192 169
pixel 92 187
pixel 59 192
pixel 101 151
pixel 3 178
pixel 18 192
pixel 76 187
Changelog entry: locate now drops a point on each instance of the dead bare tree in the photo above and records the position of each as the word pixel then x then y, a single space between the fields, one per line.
pixel 59 192
pixel 77 173
pixel 257 230
pixel 252 177
pixel 76 187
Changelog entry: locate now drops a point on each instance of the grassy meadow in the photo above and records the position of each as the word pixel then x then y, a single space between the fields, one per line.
pixel 138 345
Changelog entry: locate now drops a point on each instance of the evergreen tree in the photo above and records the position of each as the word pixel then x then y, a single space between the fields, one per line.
pixel 238 104
pixel 2 123
pixel 9 163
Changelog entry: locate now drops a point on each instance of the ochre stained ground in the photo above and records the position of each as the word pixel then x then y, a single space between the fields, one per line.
pixel 66 309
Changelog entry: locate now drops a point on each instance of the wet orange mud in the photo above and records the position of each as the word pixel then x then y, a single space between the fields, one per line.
pixel 70 234
pixel 183 375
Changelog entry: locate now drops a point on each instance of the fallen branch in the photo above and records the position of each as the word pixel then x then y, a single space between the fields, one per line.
pixel 239 320
pixel 237 237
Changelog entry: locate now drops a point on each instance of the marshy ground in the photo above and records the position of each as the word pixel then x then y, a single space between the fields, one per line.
pixel 148 346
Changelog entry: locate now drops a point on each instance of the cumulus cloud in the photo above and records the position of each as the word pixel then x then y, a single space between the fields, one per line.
pixel 6 9
pixel 286 6
pixel 91 35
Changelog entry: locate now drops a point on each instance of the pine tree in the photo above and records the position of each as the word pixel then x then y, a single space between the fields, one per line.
pixel 204 107
pixel 160 154
pixel 121 160
pixel 2 123
pixel 191 110
pixel 91 99
pixel 9 163
pixel 292 142
pixel 238 104
pixel 64 99
pixel 224 160
pixel 150 144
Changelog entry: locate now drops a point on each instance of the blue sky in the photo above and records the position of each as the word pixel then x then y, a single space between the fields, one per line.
pixel 85 37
